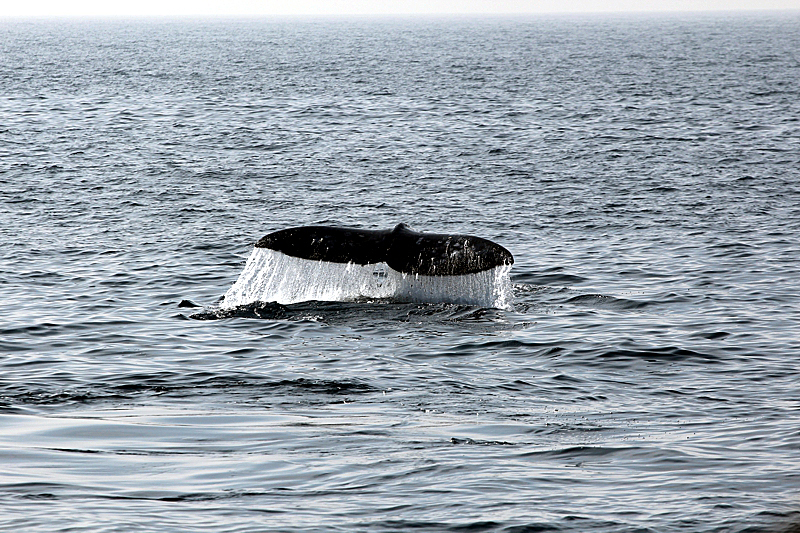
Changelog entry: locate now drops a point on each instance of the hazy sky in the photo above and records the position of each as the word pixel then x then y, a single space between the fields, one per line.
pixel 16 8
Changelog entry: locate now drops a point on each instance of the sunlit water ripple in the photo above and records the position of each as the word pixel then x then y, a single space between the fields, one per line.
pixel 642 170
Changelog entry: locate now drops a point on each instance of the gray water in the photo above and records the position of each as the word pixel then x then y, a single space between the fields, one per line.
pixel 643 170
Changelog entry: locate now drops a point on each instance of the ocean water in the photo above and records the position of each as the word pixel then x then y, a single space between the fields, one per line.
pixel 643 170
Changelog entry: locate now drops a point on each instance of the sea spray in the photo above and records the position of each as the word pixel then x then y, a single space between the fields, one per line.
pixel 271 276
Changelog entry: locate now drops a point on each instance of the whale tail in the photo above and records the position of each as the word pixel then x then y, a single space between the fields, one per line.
pixel 329 263
pixel 403 249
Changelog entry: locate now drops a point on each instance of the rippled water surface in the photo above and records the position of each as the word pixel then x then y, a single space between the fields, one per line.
pixel 644 172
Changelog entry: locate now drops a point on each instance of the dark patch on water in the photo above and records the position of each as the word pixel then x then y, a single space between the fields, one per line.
pixel 258 310
pixel 368 313
pixel 139 388
pixel 610 302
pixel 473 442
pixel 669 353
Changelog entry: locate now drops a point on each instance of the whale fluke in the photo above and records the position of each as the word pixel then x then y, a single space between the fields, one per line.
pixel 346 264
pixel 402 249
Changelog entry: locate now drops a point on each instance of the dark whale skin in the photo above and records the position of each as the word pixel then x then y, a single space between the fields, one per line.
pixel 403 249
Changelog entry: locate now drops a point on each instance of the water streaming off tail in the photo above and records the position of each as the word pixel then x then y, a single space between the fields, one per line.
pixel 271 276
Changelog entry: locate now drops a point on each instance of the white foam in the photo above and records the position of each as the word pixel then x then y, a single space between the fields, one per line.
pixel 271 276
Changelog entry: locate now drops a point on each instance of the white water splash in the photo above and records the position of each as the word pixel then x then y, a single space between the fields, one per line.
pixel 271 276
